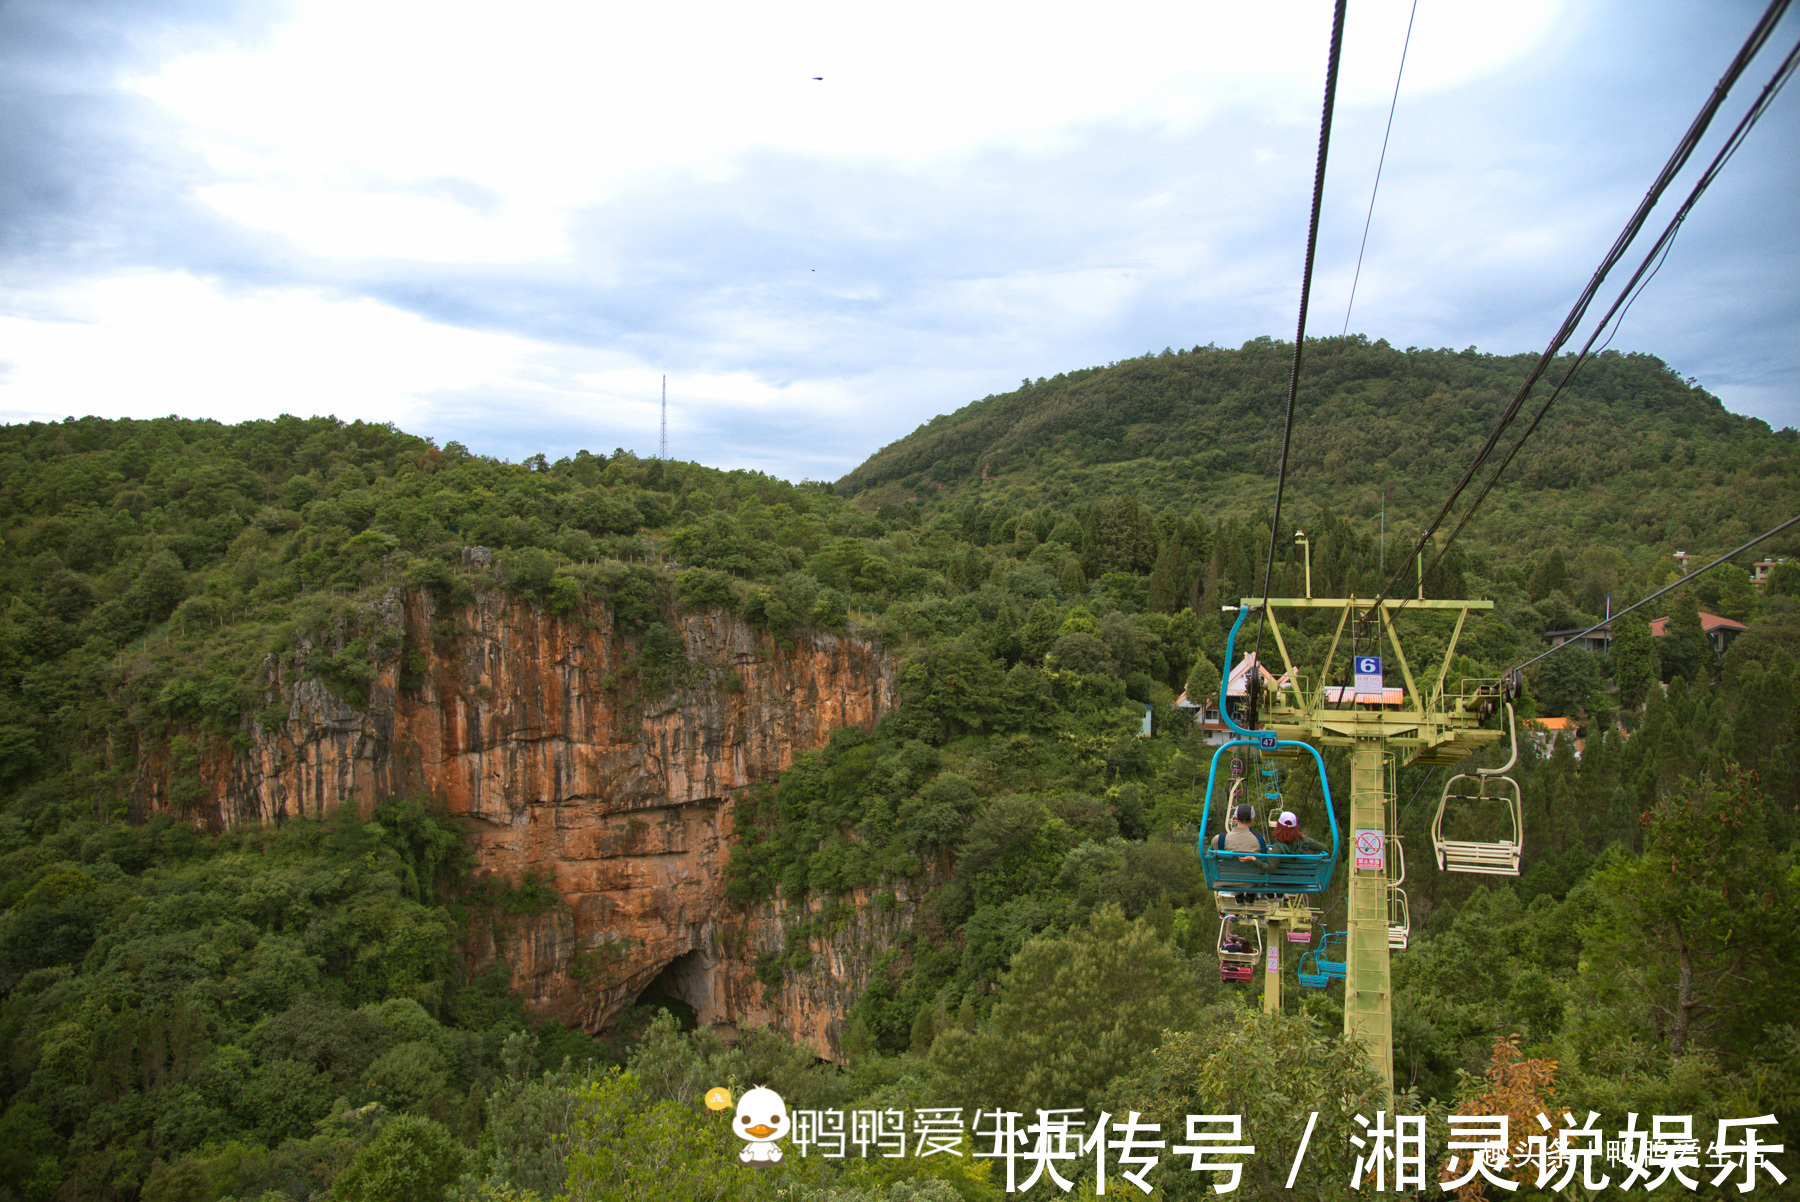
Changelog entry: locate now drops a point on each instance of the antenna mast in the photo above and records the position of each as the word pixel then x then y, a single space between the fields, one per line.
pixel 662 449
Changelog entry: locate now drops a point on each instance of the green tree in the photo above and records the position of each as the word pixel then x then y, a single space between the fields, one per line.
pixel 1567 682
pixel 1082 653
pixel 949 689
pixel 1073 580
pixel 1202 682
pixel 623 1150
pixel 1690 939
pixel 1684 649
pixel 1737 596
pixel 1552 575
pixel 1635 664
pixel 1075 1012
pixel 1272 1069
pixel 1038 633
pixel 1169 579
pixel 159 587
pixel 411 1159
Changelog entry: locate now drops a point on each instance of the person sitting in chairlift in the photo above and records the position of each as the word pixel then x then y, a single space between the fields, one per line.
pixel 1290 839
pixel 1237 945
pixel 1243 837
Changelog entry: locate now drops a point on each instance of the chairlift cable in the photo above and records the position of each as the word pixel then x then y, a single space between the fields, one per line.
pixel 1694 575
pixel 1401 821
pixel 1639 280
pixel 1312 242
pixel 1379 163
pixel 1684 150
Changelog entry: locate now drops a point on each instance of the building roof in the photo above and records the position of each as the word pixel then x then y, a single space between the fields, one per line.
pixel 1337 694
pixel 1553 724
pixel 1603 631
pixel 1658 627
pixel 1234 684
pixel 1708 623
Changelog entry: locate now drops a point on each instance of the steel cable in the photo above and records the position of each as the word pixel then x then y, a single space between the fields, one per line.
pixel 1379 164
pixel 1252 686
pixel 1651 264
pixel 1684 150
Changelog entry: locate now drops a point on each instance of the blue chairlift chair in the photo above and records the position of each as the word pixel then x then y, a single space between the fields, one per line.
pixel 1262 872
pixel 1330 958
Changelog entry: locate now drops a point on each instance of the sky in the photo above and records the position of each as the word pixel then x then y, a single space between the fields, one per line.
pixel 505 224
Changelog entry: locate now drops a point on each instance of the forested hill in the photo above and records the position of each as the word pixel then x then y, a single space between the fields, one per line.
pixel 1631 454
pixel 290 1012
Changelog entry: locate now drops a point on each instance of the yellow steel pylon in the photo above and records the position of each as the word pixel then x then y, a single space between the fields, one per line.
pixel 1426 727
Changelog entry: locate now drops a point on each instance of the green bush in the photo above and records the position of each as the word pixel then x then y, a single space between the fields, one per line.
pixel 411 1159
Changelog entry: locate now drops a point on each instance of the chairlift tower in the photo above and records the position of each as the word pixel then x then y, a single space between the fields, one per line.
pixel 1430 726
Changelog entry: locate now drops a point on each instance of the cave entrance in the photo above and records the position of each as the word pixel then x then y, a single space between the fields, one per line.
pixel 675 990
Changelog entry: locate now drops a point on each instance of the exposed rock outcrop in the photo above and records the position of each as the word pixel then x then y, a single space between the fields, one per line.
pixel 540 730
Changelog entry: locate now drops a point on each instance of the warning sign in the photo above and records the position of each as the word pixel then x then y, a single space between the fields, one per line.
pixel 1274 964
pixel 1370 849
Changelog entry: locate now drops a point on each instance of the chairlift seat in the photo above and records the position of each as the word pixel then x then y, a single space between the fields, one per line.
pixel 1495 857
pixel 1314 977
pixel 1236 965
pixel 1267 872
pixel 1263 872
pixel 1333 942
pixel 1399 919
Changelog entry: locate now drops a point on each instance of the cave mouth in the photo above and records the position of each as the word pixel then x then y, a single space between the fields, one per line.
pixel 673 992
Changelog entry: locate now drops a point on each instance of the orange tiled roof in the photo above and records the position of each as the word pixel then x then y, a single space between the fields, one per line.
pixel 1708 623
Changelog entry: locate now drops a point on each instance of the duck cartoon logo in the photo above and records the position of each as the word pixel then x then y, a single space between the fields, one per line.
pixel 761 1119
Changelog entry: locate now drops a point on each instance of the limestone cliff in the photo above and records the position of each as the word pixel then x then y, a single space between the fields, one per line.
pixel 539 730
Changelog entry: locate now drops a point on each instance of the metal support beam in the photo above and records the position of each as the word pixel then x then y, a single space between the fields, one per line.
pixel 1368 982
pixel 1435 729
pixel 1272 968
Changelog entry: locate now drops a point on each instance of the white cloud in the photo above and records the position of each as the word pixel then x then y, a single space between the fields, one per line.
pixel 325 132
pixel 170 343
pixel 146 345
pixel 501 225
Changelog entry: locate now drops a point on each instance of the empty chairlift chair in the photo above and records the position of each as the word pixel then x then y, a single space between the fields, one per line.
pixel 1309 971
pixel 1399 913
pixel 1399 919
pixel 1488 796
pixel 1329 958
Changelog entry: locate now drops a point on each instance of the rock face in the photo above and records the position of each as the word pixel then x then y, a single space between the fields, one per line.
pixel 541 731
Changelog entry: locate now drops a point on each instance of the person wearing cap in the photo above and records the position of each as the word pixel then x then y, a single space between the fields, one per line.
pixel 1290 839
pixel 1243 837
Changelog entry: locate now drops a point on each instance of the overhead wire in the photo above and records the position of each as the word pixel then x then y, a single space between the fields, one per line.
pixel 1640 279
pixel 1668 588
pixel 1684 149
pixel 1379 164
pixel 1253 683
